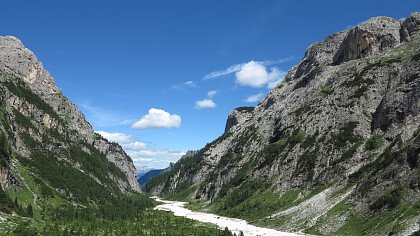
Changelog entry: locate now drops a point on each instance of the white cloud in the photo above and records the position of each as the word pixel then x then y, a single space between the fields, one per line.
pixel 141 154
pixel 154 157
pixel 134 145
pixel 212 93
pixel 219 73
pixel 206 103
pixel 158 118
pixel 255 74
pixel 254 98
pixel 115 137
pixel 275 77
pixel 100 117
pixel 185 86
pixel 238 67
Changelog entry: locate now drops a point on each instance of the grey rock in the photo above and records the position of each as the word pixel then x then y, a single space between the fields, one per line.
pixel 22 64
pixel 410 27
pixel 374 36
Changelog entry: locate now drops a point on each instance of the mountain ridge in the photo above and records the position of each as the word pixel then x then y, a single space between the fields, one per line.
pixel 331 150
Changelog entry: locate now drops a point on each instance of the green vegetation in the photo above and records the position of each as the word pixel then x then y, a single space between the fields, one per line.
pixel 339 209
pixel 245 109
pixel 416 57
pixel 240 176
pixel 306 163
pixel 250 133
pixel 384 223
pixel 349 153
pixel 302 110
pixel 345 135
pixel 326 90
pixel 256 205
pixel 390 199
pixel 272 151
pixel 374 142
pixel 146 222
pixel 18 88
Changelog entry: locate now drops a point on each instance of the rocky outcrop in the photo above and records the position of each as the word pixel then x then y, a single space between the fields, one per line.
pixel 238 117
pixel 374 36
pixel 339 132
pixel 29 90
pixel 410 27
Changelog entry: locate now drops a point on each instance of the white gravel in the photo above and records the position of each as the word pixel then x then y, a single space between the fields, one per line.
pixel 234 225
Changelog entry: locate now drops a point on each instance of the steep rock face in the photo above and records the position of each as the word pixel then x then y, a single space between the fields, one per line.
pixel 335 141
pixel 376 35
pixel 410 27
pixel 32 104
pixel 238 117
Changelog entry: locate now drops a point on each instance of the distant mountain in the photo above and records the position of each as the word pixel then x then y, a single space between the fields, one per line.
pixel 142 170
pixel 144 178
pixel 334 149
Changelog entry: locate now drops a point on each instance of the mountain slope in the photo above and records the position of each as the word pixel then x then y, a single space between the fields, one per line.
pixel 332 150
pixel 57 176
pixel 49 152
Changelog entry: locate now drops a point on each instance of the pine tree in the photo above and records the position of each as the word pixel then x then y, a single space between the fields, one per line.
pixel 29 211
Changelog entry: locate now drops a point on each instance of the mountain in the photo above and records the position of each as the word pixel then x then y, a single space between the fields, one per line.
pixel 144 178
pixel 148 175
pixel 333 149
pixel 58 177
pixel 36 118
pixel 142 170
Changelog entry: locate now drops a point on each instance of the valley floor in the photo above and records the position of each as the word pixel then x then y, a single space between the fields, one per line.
pixel 234 225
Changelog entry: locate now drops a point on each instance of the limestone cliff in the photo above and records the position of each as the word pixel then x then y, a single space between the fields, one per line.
pixel 333 149
pixel 37 121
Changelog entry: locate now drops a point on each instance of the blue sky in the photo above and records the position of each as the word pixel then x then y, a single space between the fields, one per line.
pixel 160 77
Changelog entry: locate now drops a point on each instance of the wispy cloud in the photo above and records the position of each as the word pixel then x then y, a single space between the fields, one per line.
pixel 101 117
pixel 212 93
pixel 254 98
pixel 238 67
pixel 141 153
pixel 158 118
pixel 184 87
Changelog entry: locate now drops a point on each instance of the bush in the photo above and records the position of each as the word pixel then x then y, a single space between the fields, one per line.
pixel 374 142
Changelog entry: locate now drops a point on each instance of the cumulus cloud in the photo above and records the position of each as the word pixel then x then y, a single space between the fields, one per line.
pixel 254 98
pixel 115 137
pixel 205 103
pixel 212 93
pixel 255 74
pixel 157 118
pixel 238 67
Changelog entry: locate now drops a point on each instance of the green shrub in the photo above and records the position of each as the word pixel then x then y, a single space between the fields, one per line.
pixel 390 199
pixel 374 142
pixel 345 135
pixel 326 90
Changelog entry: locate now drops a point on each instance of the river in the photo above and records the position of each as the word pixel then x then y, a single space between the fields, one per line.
pixel 234 225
